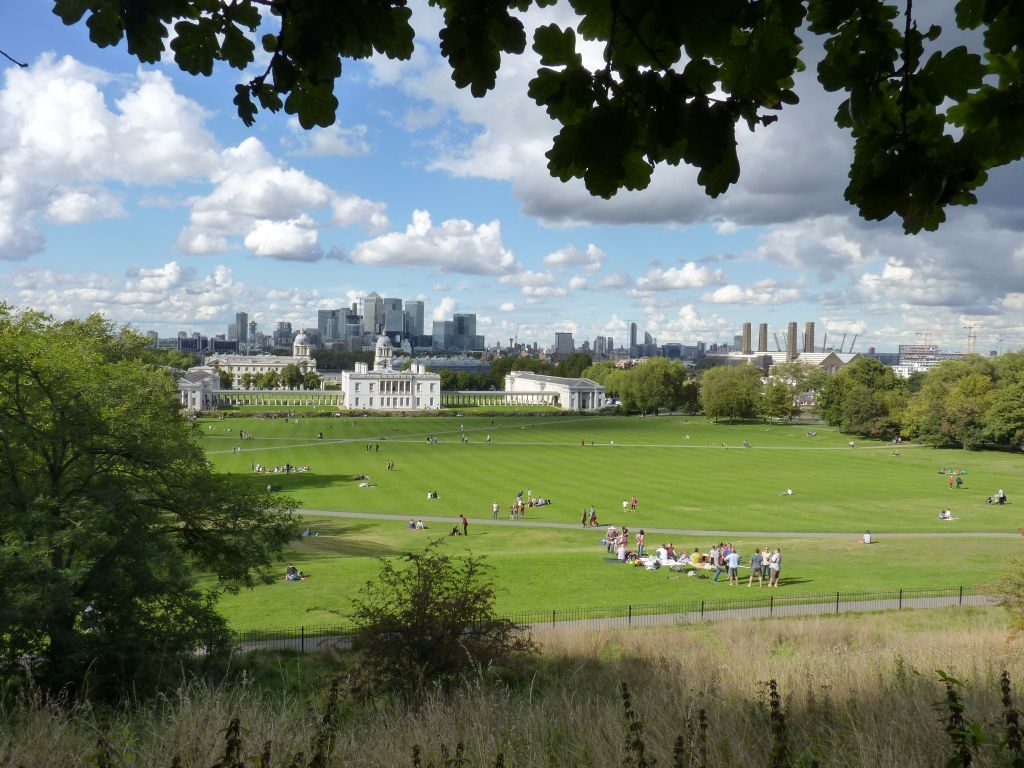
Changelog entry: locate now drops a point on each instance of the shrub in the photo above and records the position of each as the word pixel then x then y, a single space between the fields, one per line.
pixel 431 621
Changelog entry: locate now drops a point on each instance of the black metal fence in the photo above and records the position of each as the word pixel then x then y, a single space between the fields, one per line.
pixel 765 604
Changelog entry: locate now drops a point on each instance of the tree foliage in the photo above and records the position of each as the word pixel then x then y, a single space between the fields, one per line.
pixel 864 398
pixel 730 392
pixel 109 508
pixel 928 119
pixel 429 618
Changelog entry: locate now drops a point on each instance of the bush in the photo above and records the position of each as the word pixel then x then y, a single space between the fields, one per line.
pixel 431 622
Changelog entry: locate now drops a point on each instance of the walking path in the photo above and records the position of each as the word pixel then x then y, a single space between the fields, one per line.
pixel 709 612
pixel 448 520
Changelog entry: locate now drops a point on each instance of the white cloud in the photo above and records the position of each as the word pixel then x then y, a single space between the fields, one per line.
pixel 534 285
pixel 590 260
pixel 688 276
pixel 62 142
pixel 351 210
pixel 756 295
pixel 445 309
pixel 291 240
pixel 77 206
pixel 508 306
pixel 333 140
pixel 577 283
pixel 615 280
pixel 454 246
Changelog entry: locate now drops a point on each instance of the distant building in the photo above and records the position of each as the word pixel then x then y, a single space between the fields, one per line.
pixel 568 394
pixel 239 365
pixel 564 345
pixel 384 389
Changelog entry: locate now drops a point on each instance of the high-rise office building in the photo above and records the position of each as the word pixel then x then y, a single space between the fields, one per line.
pixel 330 325
pixel 632 335
pixel 242 327
pixel 564 344
pixel 283 334
pixel 372 310
pixel 414 319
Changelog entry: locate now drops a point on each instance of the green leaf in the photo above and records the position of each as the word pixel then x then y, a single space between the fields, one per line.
pixel 195 46
pixel 237 49
pixel 71 11
pixel 105 27
pixel 246 109
pixel 313 103
pixel 557 47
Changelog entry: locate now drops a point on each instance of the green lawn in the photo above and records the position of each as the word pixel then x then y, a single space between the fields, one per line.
pixel 686 473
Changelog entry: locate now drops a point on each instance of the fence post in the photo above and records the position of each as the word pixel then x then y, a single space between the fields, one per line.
pixel 771 605
pixel 553 617
pixel 961 595
pixel 901 599
pixel 302 639
pixel 629 619
pixel 837 601
pixel 702 610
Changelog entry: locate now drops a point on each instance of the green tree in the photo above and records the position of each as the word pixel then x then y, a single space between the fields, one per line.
pixel 227 379
pixel 431 621
pixel 249 380
pixel 730 392
pixel 1004 420
pixel 574 365
pixel 267 380
pixel 864 398
pixel 952 404
pixel 310 380
pixel 777 399
pixel 674 81
pixel 657 383
pixel 291 376
pixel 109 509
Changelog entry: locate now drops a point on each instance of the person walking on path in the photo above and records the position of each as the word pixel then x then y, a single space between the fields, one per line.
pixel 494 511
pixel 465 525
pixel 583 519
pixel 774 567
pixel 755 569
pixel 716 560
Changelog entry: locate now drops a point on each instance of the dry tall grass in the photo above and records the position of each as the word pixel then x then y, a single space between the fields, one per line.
pixel 857 691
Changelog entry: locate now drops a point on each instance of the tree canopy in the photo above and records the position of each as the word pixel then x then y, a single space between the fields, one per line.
pixel 109 508
pixel 928 119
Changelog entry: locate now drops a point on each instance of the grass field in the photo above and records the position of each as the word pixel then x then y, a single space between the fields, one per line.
pixel 688 474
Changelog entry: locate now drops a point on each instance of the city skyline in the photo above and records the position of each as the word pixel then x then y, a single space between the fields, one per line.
pixel 135 191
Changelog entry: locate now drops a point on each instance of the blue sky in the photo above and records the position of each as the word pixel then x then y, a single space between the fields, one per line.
pixel 135 191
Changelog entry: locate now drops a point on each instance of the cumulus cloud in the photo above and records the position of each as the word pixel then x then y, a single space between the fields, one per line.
pixel 63 141
pixel 534 285
pixel 589 260
pixel 444 309
pixel 690 275
pixel 508 306
pixel 763 293
pixel 456 245
pixel 333 140
pixel 291 240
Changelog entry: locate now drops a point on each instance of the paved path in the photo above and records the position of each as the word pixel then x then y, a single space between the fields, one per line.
pixel 474 521
pixel 787 607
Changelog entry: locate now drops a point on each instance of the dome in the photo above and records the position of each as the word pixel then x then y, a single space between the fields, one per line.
pixel 301 338
pixel 383 343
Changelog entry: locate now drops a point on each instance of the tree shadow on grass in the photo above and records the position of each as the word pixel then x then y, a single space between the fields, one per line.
pixel 347 539
pixel 286 482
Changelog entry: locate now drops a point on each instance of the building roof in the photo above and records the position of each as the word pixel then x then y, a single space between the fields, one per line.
pixel 196 375
pixel 560 380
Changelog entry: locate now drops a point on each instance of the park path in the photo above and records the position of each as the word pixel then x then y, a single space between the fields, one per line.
pixel 760 608
pixel 474 521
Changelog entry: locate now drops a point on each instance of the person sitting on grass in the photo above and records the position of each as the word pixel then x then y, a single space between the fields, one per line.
pixel 787 492
pixel 946 514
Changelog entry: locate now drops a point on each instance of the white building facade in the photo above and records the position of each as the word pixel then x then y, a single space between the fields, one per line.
pixel 567 394
pixel 238 365
pixel 385 389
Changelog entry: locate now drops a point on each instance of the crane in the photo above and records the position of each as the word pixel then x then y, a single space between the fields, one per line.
pixel 927 335
pixel 852 343
pixel 842 343
pixel 972 338
pixel 778 347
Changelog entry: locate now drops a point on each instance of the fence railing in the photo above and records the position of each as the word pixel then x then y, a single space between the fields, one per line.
pixel 772 604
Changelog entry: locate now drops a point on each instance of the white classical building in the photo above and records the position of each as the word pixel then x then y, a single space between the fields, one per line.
pixel 384 389
pixel 239 365
pixel 523 387
pixel 198 387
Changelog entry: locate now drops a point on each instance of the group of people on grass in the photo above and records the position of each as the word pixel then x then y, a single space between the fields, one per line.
pixel 765 565
pixel 285 468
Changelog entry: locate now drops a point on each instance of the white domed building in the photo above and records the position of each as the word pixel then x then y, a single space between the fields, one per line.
pixel 385 389
pixel 239 365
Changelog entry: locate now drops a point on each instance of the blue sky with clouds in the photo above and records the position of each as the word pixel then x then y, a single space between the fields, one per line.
pixel 135 191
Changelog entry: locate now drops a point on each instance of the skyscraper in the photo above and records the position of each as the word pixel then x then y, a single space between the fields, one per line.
pixel 414 319
pixel 632 335
pixel 564 344
pixel 330 324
